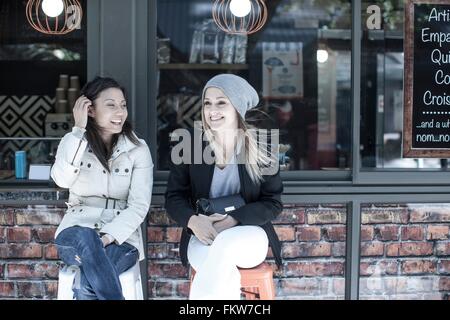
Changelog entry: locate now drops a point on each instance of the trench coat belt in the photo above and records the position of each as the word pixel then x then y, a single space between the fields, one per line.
pixel 103 202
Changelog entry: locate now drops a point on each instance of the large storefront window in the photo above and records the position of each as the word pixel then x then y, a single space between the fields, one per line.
pixel 382 73
pixel 307 42
pixel 404 252
pixel 40 78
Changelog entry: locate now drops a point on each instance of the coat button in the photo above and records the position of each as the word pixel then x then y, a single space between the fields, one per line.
pixel 118 212
pixel 76 171
pixel 73 210
pixel 117 170
pixel 89 165
pixel 90 151
pixel 96 225
pixel 104 171
pixel 81 163
pixel 81 210
pixel 126 170
pixel 117 150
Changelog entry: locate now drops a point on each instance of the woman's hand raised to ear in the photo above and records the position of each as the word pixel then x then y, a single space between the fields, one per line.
pixel 202 227
pixel 80 111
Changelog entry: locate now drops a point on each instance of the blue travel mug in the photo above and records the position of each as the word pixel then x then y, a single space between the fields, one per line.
pixel 21 164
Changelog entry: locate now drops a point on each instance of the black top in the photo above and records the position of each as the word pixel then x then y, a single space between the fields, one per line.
pixel 189 182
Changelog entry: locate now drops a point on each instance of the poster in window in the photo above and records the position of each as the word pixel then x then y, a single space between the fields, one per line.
pixel 282 65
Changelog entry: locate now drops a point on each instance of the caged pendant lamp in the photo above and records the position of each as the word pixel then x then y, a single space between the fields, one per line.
pixel 239 16
pixel 54 17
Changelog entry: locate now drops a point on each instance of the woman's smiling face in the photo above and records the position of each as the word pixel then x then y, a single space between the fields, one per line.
pixel 110 110
pixel 218 111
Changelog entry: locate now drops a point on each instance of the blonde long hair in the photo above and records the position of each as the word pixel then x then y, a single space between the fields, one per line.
pixel 255 152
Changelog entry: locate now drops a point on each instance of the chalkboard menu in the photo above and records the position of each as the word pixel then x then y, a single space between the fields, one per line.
pixel 427 79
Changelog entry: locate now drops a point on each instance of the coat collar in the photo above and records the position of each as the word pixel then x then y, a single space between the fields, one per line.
pixel 123 145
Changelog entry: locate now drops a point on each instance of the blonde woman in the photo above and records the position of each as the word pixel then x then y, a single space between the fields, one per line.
pixel 217 244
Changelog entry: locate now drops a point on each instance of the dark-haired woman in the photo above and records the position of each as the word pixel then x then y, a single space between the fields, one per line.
pixel 109 174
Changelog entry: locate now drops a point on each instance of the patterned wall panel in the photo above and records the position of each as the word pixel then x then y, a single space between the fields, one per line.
pixel 24 117
pixel 181 109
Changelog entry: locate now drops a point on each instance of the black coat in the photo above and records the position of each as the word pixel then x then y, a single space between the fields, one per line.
pixel 189 182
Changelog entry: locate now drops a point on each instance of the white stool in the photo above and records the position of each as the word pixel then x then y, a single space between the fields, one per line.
pixel 130 281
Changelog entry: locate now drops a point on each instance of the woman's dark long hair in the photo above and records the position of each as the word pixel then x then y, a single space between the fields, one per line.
pixel 91 91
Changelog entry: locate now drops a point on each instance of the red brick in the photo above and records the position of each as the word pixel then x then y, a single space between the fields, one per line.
pixel 30 289
pixel 7 289
pixel 44 234
pixel 424 214
pixel 379 267
pixel 162 251
pixel 384 215
pixel 336 233
pixel 371 285
pixel 182 289
pixel 167 270
pixel 338 249
pixel 19 234
pixel 6 217
pixel 303 286
pixel 306 250
pixel 291 216
pixel 313 269
pixel 308 233
pixel 412 233
pixel 285 233
pixel 418 266
pixel 444 267
pixel 444 284
pixel 50 290
pixel 39 217
pixel 159 217
pixel 50 252
pixel 155 234
pixel 372 249
pixel 387 233
pixel 174 235
pixel 20 251
pixel 326 216
pixel 338 286
pixel 367 233
pixel 2 234
pixel 33 270
pixel 443 248
pixel 162 289
pixel 437 232
pixel 409 249
pixel 2 268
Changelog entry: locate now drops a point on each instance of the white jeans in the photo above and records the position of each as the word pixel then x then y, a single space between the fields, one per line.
pixel 217 276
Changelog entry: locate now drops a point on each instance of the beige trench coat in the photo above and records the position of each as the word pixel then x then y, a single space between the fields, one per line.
pixel 114 202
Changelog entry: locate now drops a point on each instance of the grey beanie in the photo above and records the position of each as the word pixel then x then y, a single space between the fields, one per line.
pixel 238 91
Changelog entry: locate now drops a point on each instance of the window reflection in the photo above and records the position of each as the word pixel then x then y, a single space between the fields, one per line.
pixel 382 67
pixel 309 101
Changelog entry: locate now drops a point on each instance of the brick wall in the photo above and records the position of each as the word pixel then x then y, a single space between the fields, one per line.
pixel 313 246
pixel 405 253
pixel 28 259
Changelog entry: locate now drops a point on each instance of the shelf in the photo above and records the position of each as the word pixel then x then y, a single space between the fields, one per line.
pixel 201 66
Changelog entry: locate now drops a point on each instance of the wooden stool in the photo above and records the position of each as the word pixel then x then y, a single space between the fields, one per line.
pixel 256 283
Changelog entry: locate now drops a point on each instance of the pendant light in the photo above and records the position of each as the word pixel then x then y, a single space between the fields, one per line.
pixel 239 16
pixel 54 17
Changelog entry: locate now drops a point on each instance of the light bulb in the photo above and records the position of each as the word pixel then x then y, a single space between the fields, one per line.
pixel 240 8
pixel 322 56
pixel 53 8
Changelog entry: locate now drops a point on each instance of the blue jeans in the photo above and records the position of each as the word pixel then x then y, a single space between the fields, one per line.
pixel 100 266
